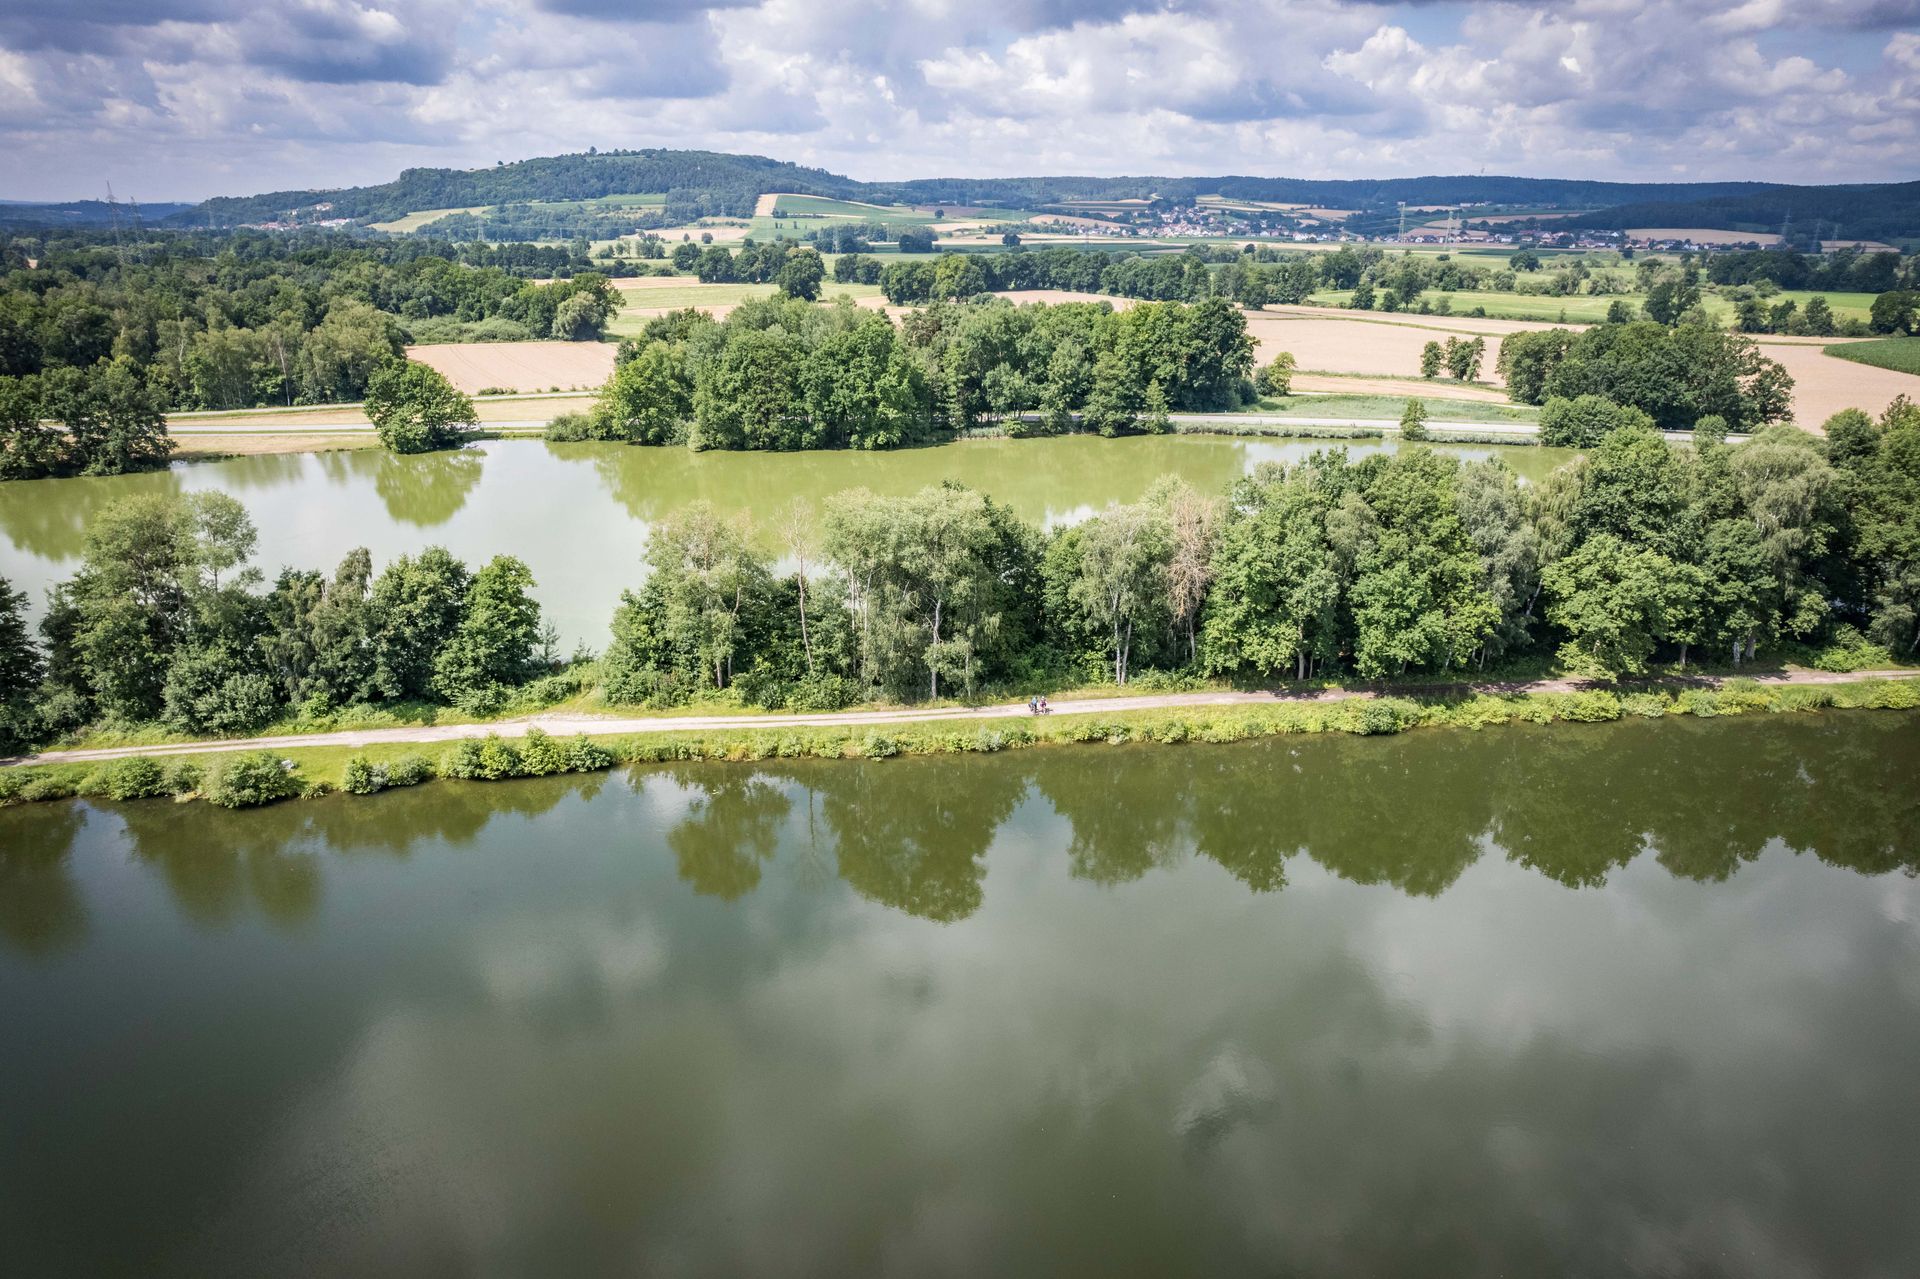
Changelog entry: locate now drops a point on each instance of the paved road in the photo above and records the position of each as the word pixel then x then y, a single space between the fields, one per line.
pixel 568 723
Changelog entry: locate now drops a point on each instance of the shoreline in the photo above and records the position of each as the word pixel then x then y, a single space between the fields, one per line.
pixel 324 763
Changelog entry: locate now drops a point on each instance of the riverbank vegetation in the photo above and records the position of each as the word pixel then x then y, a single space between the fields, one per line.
pixel 253 778
pixel 1641 556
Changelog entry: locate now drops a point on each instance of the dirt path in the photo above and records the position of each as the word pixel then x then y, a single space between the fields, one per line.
pixel 569 723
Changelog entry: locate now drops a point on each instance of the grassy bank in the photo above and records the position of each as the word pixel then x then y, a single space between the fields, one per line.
pixel 250 778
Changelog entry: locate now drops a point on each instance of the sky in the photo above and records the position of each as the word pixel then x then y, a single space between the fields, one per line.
pixel 182 99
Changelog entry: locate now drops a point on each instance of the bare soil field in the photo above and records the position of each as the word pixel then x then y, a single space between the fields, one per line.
pixel 764 206
pixel 1348 346
pixel 520 366
pixel 1701 235
pixel 1823 384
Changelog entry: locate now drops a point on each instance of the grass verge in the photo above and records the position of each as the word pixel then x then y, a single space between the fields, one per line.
pixel 321 770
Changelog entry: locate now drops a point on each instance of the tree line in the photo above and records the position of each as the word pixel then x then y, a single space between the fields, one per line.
pixel 167 621
pixel 1383 566
pixel 780 374
pixel 251 319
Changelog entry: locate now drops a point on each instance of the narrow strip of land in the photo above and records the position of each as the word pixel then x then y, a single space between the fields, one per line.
pixel 570 722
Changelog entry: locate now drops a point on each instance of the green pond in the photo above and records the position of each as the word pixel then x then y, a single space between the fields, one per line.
pixel 1628 999
pixel 578 513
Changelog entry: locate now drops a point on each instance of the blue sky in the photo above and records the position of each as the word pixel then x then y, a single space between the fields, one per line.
pixel 172 99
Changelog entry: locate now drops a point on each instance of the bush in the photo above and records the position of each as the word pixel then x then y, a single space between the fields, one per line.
pixel 821 693
pixel 249 780
pixel 584 756
pixel 1645 705
pixel 463 761
pixel 409 770
pixel 1852 651
pixel 1596 707
pixel 135 777
pixel 878 746
pixel 1585 420
pixel 362 776
pixel 541 755
pixel 184 778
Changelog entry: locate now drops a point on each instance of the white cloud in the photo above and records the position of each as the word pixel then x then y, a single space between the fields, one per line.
pixel 193 97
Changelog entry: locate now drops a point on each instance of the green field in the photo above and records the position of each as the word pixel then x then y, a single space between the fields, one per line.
pixel 1902 355
pixel 631 319
pixel 810 208
pixel 414 221
pixel 1388 408
pixel 1502 306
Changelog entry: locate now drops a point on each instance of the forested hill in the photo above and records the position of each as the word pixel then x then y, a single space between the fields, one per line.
pixel 1851 213
pixel 82 213
pixel 700 183
pixel 697 183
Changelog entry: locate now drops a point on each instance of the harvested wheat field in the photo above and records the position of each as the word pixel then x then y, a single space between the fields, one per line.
pixel 1823 385
pixel 1702 235
pixel 520 366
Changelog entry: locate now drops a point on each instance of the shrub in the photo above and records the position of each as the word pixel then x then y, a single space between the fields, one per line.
pixel 1701 702
pixel 541 755
pixel 878 746
pixel 585 756
pixel 46 786
pixel 497 758
pixel 409 770
pixel 1852 651
pixel 362 776
pixel 1585 420
pixel 250 779
pixel 184 778
pixel 463 761
pixel 135 777
pixel 1595 707
pixel 1646 705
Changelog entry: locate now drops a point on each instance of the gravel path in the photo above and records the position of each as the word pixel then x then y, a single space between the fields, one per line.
pixel 569 723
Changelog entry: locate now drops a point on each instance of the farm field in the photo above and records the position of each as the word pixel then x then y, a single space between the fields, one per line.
pixel 1704 235
pixel 1512 306
pixel 1902 355
pixel 520 366
pixel 414 221
pixel 649 296
pixel 1585 309
pixel 1824 384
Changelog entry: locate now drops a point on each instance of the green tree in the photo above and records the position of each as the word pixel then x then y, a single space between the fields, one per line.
pixel 493 646
pixel 415 607
pixel 414 408
pixel 1276 376
pixel 21 667
pixel 1413 420
pixel 800 275
pixel 1614 602
pixel 648 399
pixel 1431 358
pixel 1125 554
pixel 705 589
pixel 1585 420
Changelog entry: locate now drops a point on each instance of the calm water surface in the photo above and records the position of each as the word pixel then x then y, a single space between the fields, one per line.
pixel 578 513
pixel 1636 999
